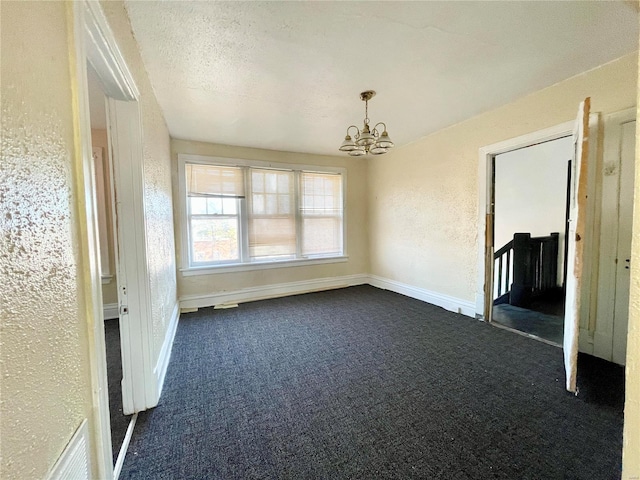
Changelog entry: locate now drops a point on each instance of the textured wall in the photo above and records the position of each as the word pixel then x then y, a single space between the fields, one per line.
pixel 157 180
pixel 631 445
pixel 356 237
pixel 109 290
pixel 423 198
pixel 45 379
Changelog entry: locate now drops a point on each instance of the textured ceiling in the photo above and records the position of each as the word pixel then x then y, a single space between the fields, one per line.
pixel 287 75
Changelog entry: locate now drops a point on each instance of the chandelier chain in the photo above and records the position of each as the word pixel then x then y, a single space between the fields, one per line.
pixel 366 111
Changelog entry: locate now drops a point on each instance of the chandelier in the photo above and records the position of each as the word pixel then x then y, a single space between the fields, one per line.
pixel 367 141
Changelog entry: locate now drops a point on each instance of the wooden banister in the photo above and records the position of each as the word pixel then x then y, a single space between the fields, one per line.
pixel 535 268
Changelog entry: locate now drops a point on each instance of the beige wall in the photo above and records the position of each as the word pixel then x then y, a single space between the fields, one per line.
pixel 423 198
pixel 631 442
pixel 110 289
pixel 157 180
pixel 356 237
pixel 44 359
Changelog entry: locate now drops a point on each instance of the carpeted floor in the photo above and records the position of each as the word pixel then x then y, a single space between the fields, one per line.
pixel 119 422
pixel 365 383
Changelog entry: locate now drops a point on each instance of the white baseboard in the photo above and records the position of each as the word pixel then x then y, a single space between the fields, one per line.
pixel 165 353
pixel 447 302
pixel 271 291
pixel 117 468
pixel 110 311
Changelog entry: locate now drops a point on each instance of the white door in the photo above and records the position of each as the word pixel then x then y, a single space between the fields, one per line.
pixel 139 390
pixel 625 214
pixel 575 242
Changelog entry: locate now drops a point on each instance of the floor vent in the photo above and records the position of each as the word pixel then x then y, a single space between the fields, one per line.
pixel 73 464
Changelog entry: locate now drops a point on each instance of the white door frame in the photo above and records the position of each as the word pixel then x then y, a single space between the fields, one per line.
pixel 485 206
pixel 95 43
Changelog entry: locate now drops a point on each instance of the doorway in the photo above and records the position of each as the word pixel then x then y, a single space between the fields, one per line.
pixel 530 191
pixel 96 49
pixel 107 243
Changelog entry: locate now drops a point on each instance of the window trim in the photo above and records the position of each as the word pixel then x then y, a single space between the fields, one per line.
pixel 188 270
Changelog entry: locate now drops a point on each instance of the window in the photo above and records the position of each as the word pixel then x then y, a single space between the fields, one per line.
pixel 248 213
pixel 272 220
pixel 213 194
pixel 321 213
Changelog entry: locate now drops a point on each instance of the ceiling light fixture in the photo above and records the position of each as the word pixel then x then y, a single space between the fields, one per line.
pixel 367 141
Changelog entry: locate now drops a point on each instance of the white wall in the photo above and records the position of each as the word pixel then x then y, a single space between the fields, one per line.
pixel 531 193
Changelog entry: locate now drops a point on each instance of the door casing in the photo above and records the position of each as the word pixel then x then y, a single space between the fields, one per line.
pixel 486 158
pixel 94 44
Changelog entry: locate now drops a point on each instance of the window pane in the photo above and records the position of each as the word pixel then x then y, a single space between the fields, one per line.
pixel 257 204
pixel 284 204
pixel 257 181
pixel 271 182
pixel 198 205
pixel 214 206
pixel 214 239
pixel 272 204
pixel 230 206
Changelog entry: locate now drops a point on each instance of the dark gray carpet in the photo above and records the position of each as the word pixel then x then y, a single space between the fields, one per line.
pixel 119 421
pixel 365 383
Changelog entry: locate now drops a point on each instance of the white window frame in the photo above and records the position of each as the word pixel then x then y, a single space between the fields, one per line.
pixel 185 266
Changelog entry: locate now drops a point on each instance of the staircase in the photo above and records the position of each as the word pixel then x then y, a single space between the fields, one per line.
pixel 526 267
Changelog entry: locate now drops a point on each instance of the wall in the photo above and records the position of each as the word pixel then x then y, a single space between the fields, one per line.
pixel 110 289
pixel 44 359
pixel 356 235
pixel 531 193
pixel 423 197
pixel 157 181
pixel 631 439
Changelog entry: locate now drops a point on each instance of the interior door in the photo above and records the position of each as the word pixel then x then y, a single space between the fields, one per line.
pixel 625 214
pixel 139 390
pixel 575 242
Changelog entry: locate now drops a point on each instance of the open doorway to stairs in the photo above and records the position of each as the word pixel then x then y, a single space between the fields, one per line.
pixel 530 197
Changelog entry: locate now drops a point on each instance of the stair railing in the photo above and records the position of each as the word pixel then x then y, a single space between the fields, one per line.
pixel 526 267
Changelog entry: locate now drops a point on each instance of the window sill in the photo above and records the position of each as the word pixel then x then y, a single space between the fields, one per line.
pixel 244 267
